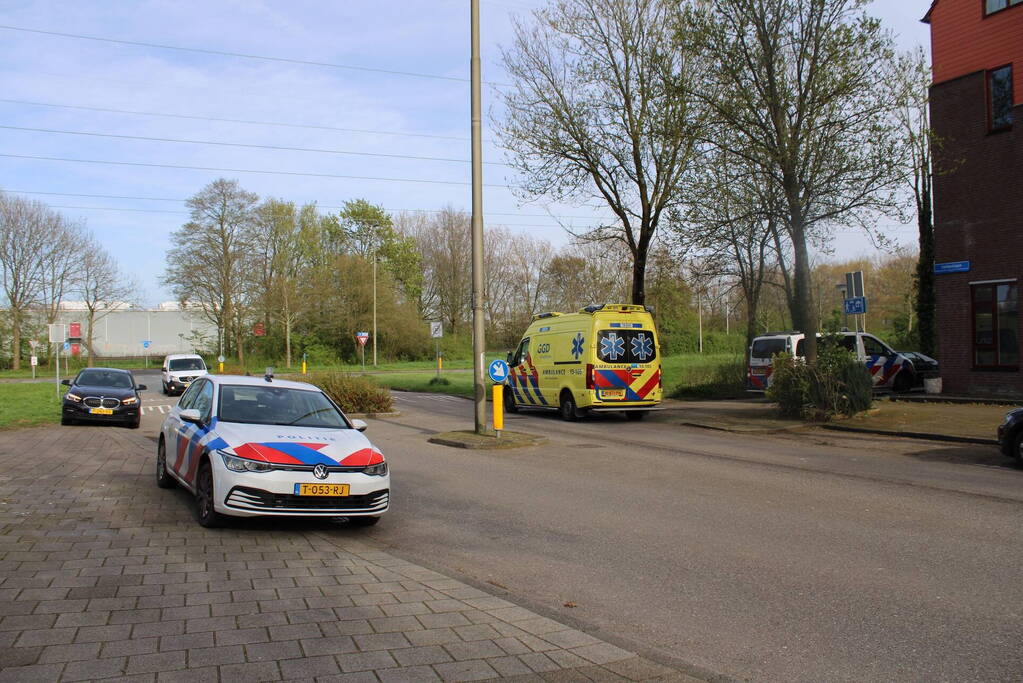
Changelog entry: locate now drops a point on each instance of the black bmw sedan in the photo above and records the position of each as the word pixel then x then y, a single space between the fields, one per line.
pixel 102 395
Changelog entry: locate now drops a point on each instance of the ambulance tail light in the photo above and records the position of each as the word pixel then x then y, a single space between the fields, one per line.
pixel 589 376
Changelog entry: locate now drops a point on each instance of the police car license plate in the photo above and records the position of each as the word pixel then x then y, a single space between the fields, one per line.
pixel 759 371
pixel 612 393
pixel 321 489
pixel 101 411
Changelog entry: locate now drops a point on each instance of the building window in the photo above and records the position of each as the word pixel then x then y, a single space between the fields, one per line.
pixel 992 6
pixel 999 88
pixel 995 326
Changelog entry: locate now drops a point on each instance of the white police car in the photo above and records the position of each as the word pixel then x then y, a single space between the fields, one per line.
pixel 249 446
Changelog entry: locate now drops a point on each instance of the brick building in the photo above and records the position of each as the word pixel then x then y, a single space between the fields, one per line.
pixel 977 116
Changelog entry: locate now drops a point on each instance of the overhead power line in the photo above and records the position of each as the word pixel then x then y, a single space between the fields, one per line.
pixel 185 213
pixel 108 110
pixel 241 55
pixel 239 170
pixel 322 206
pixel 240 144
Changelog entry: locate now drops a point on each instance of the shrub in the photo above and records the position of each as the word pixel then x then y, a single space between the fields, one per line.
pixel 838 385
pixel 353 394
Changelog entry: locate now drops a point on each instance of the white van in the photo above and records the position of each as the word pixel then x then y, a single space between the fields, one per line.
pixel 890 369
pixel 180 370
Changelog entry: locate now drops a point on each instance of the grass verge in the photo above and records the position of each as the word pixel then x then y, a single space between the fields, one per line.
pixel 28 405
pixel 458 384
pixel 946 419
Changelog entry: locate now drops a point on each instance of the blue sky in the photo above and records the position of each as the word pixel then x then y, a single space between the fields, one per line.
pixel 425 37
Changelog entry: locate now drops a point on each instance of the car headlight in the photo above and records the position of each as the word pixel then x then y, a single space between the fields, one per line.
pixel 130 401
pixel 74 398
pixel 236 464
pixel 378 470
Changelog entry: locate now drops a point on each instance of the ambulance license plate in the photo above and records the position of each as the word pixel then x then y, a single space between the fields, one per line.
pixel 337 490
pixel 101 411
pixel 612 394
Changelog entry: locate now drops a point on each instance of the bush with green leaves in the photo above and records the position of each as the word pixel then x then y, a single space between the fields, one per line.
pixel 838 384
pixel 354 394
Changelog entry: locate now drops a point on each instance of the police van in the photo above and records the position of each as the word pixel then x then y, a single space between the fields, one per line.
pixel 889 369
pixel 603 358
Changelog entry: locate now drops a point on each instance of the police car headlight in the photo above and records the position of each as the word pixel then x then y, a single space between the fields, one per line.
pixel 236 464
pixel 378 470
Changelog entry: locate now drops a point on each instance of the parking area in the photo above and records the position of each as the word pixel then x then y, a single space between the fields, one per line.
pixel 104 576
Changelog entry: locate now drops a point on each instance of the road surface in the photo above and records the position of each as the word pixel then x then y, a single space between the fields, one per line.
pixel 807 556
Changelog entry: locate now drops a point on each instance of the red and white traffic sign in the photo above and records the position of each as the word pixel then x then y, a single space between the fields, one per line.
pixel 362 338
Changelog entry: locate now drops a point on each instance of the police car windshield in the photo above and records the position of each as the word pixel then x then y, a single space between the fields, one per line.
pixel 764 349
pixel 104 378
pixel 186 364
pixel 272 405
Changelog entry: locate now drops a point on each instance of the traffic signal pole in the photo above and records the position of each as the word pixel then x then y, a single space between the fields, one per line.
pixel 478 342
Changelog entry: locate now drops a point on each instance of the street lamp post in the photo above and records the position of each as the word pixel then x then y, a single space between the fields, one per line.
pixel 478 342
pixel 374 300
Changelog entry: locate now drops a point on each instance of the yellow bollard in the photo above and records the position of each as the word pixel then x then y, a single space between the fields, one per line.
pixel 303 367
pixel 498 407
pixel 221 368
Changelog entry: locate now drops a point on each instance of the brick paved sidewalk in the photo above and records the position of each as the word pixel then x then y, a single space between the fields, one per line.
pixel 105 576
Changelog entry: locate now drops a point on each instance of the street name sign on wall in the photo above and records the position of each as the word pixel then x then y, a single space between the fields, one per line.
pixel 951 267
pixel 856 305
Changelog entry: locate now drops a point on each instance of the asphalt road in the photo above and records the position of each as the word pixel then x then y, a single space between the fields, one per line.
pixel 809 556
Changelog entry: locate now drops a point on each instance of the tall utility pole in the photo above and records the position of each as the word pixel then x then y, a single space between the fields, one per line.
pixel 478 342
pixel 374 301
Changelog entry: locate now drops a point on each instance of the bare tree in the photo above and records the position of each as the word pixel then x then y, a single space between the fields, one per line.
pixel 798 83
pixel 602 108
pixel 26 231
pixel 444 243
pixel 913 78
pixel 208 262
pixel 102 286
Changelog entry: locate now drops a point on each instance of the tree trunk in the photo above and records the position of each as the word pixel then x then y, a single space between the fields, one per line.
pixel 639 277
pixel 803 311
pixel 15 339
pixel 925 275
pixel 89 337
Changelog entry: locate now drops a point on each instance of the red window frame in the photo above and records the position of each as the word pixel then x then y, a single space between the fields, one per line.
pixel 990 307
pixel 992 128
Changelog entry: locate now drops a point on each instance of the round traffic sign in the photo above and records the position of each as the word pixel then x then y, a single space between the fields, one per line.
pixel 220 359
pixel 498 371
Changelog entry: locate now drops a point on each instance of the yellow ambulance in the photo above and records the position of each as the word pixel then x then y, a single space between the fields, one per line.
pixel 603 358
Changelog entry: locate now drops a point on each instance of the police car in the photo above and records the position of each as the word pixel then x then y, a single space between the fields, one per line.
pixel 249 446
pixel 888 369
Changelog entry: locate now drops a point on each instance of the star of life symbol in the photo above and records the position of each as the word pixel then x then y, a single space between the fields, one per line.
pixel 642 346
pixel 612 347
pixel 320 472
pixel 577 346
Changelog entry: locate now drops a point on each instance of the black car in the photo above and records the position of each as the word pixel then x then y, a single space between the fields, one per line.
pixel 102 395
pixel 1010 434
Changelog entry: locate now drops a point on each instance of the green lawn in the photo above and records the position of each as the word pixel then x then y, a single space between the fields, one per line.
pixel 685 376
pixel 28 405
pixel 459 384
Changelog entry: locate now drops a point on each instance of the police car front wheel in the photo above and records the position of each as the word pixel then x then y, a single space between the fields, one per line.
pixel 204 497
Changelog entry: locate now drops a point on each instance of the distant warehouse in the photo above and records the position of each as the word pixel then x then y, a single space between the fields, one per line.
pixel 122 330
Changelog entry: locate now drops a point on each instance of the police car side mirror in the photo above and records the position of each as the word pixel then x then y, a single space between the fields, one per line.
pixel 191 415
pixel 359 425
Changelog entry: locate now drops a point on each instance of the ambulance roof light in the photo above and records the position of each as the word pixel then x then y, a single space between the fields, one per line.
pixel 541 316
